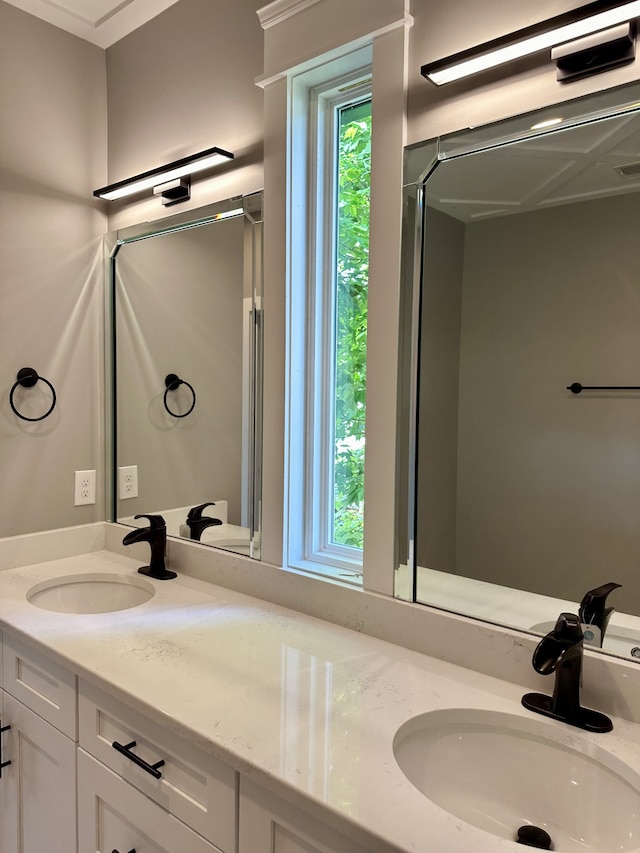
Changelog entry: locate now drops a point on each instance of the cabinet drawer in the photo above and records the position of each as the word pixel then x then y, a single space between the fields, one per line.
pixel 113 816
pixel 192 785
pixel 41 684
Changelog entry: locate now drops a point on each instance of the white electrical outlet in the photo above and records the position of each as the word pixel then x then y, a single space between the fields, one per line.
pixel 128 482
pixel 85 488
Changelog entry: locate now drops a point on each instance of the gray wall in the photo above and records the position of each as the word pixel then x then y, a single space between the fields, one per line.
pixel 182 83
pixel 179 310
pixel 52 155
pixel 548 483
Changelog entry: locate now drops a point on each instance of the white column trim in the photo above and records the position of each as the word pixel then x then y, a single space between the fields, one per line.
pixel 265 80
pixel 300 31
pixel 390 74
pixel 280 10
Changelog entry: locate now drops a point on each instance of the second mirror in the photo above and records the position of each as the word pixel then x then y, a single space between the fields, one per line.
pixel 187 374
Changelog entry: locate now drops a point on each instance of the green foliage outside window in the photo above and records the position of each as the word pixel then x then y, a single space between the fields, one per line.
pixel 354 183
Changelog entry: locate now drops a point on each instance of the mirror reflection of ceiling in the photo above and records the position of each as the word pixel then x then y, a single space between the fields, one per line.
pixel 589 162
pixel 101 22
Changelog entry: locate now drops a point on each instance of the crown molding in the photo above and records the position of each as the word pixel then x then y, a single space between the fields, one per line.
pixel 101 22
pixel 278 11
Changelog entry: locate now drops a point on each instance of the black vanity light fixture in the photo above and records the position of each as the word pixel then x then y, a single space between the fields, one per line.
pixel 582 41
pixel 172 182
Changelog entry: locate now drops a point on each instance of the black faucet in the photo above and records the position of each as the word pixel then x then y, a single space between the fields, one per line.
pixel 593 611
pixel 156 536
pixel 197 524
pixel 561 652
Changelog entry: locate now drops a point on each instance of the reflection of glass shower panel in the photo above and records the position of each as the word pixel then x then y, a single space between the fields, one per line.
pixel 247 400
pixel 305 720
pixel 321 724
pixel 255 439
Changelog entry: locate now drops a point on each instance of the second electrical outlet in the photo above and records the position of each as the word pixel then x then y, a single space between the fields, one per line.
pixel 128 482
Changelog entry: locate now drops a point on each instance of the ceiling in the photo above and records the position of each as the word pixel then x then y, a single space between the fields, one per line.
pixel 101 22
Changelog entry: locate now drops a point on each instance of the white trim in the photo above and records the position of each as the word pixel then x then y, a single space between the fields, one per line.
pixel 280 10
pixel 320 32
pixel 265 80
pixel 315 96
pixel 390 72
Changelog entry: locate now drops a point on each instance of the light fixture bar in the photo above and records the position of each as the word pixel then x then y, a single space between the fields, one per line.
pixel 172 171
pixel 571 25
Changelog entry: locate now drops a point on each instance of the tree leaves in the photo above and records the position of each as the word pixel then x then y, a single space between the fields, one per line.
pixel 354 184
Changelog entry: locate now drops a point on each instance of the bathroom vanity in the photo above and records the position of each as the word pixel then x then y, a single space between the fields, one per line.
pixel 203 720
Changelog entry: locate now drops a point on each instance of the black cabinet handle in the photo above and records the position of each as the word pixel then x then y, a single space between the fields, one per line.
pixel 126 751
pixel 3 763
pixel 117 851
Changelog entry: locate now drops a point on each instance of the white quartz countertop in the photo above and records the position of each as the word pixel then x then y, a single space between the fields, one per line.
pixel 306 707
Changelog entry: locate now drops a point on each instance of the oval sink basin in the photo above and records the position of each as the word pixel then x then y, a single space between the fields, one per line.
pixel 91 593
pixel 500 772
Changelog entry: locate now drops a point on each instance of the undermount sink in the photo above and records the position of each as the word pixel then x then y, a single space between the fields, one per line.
pixel 501 772
pixel 90 593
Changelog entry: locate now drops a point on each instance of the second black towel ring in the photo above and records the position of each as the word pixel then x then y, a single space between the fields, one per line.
pixel 172 383
pixel 27 377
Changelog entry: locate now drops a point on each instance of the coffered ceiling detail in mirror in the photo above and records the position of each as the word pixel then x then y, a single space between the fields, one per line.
pixel 561 168
pixel 102 22
pixel 527 495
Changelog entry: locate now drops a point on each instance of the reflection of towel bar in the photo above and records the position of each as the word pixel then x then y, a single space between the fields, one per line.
pixel 576 388
pixel 172 382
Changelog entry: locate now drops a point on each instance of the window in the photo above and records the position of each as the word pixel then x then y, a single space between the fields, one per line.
pixel 328 324
pixel 348 355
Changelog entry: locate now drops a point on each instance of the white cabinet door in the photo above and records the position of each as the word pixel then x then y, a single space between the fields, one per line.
pixel 113 816
pixel 268 824
pixel 38 788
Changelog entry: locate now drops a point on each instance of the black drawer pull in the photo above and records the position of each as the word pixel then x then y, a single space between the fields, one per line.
pixel 3 763
pixel 125 750
pixel 117 851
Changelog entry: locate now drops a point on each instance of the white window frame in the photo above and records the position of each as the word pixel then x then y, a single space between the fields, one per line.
pixel 316 98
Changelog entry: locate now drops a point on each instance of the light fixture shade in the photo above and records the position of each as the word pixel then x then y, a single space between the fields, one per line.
pixel 162 175
pixel 571 25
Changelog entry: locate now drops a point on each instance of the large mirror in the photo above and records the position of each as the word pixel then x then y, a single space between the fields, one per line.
pixel 523 240
pixel 186 318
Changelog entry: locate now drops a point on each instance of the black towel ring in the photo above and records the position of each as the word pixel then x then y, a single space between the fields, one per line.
pixel 172 383
pixel 27 377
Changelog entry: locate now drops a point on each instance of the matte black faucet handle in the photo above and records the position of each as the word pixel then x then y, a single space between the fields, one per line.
pixel 567 628
pixel 594 612
pixel 594 600
pixel 552 650
pixel 195 513
pixel 156 522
